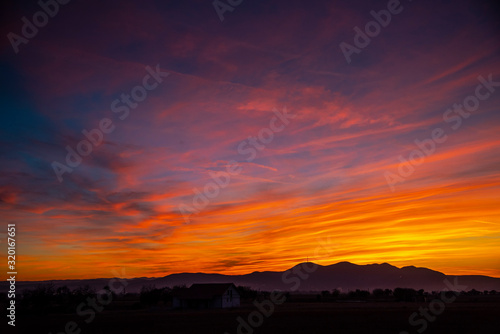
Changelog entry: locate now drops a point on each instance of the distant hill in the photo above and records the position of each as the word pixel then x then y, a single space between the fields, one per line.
pixel 343 276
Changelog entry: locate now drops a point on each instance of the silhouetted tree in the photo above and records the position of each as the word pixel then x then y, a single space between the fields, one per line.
pixel 246 292
pixel 40 300
pixel 358 294
pixel 64 298
pixel 179 287
pixel 150 295
pixel 83 292
pixel 405 294
pixel 378 293
pixel 335 293
pixel 474 292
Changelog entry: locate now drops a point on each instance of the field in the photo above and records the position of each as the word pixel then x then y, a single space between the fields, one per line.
pixel 481 317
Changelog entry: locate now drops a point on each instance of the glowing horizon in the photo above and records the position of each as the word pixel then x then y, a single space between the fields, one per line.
pixel 320 179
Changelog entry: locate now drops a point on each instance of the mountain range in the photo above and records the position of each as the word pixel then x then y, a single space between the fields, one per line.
pixel 344 276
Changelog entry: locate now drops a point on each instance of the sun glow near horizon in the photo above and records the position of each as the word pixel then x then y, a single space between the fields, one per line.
pixel 306 138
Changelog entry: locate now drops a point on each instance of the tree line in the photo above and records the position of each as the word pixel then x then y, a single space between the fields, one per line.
pixel 46 298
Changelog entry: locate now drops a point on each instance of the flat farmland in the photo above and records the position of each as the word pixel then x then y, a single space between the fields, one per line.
pixel 291 317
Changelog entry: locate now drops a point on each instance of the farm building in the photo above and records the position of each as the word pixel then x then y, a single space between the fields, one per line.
pixel 206 296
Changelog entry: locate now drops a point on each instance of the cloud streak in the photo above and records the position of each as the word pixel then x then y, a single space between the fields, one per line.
pixel 320 177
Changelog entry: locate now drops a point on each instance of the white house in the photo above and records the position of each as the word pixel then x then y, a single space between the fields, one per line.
pixel 202 296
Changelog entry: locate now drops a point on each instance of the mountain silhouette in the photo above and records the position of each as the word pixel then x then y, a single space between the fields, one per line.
pixel 344 276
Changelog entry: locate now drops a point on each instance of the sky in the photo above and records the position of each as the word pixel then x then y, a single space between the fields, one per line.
pixel 277 135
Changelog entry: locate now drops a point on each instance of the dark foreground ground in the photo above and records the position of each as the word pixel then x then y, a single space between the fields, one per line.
pixel 291 317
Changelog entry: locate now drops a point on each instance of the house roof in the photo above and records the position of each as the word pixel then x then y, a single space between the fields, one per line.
pixel 203 291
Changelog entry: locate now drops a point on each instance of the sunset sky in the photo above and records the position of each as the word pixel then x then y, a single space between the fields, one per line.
pixel 317 189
